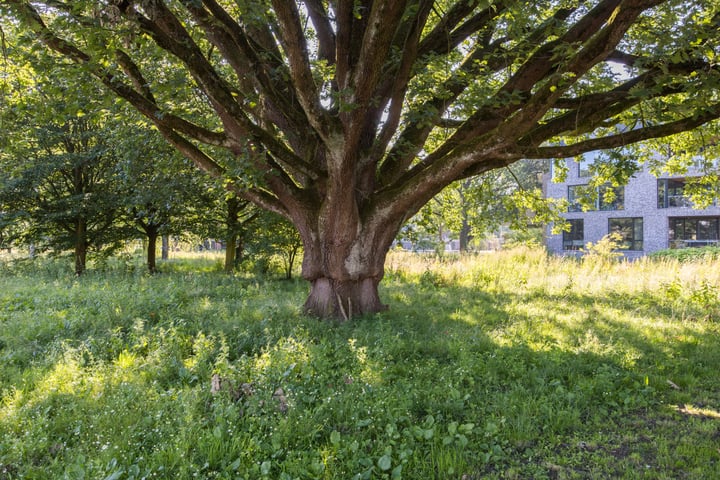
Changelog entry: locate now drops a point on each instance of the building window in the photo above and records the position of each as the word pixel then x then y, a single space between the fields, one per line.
pixel 574 198
pixel 575 238
pixel 611 198
pixel 694 231
pixel 583 198
pixel 671 193
pixel 630 231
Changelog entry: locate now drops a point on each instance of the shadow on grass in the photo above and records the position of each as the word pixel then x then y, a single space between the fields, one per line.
pixel 453 382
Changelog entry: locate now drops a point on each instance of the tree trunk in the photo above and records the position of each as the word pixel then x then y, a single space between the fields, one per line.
pixel 344 299
pixel 344 277
pixel 165 248
pixel 289 260
pixel 239 251
pixel 232 224
pixel 152 235
pixel 230 252
pixel 464 236
pixel 80 247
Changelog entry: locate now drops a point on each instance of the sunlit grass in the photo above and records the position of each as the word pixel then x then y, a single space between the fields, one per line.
pixel 503 365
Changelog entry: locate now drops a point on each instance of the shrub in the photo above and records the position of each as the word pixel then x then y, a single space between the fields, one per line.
pixel 688 254
pixel 604 250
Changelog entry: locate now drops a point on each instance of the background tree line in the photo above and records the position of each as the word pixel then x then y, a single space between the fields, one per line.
pixel 82 173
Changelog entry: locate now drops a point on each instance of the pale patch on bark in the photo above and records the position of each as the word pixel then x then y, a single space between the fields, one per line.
pixel 354 262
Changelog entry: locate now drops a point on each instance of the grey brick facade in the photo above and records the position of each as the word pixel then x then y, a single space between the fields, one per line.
pixel 662 225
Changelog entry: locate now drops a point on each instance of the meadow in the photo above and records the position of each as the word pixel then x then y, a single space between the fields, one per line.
pixel 508 365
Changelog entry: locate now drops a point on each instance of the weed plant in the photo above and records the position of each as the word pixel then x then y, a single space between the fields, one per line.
pixel 504 365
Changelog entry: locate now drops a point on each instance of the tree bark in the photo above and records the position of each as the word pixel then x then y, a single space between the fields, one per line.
pixel 80 247
pixel 165 248
pixel 344 299
pixel 344 277
pixel 232 224
pixel 464 235
pixel 230 252
pixel 152 235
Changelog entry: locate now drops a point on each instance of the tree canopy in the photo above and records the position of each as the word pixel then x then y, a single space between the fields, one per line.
pixel 346 117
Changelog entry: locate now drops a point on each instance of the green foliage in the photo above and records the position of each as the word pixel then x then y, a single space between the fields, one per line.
pixel 688 254
pixel 60 194
pixel 530 237
pixel 58 188
pixel 163 193
pixel 604 250
pixel 82 171
pixel 510 365
pixel 273 244
pixel 472 208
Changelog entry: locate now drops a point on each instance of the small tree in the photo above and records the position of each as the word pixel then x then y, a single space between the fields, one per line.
pixel 162 193
pixel 61 194
pixel 273 236
pixel 477 205
pixel 58 188
pixel 240 214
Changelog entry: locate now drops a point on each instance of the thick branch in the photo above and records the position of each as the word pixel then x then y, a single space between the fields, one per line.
pixel 593 110
pixel 396 85
pixel 487 58
pixel 595 50
pixel 144 104
pixel 440 40
pixel 293 41
pixel 383 23
pixel 142 86
pixel 280 107
pixel 171 35
pixel 326 36
pixel 415 133
pixel 626 138
pixel 543 61
pixel 348 28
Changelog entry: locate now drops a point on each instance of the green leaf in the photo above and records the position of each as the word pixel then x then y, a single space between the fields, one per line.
pixel 466 427
pixel 384 463
pixel 335 438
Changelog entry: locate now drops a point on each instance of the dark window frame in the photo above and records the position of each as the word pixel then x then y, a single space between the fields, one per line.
pixel 634 240
pixel 574 240
pixel 688 231
pixel 670 193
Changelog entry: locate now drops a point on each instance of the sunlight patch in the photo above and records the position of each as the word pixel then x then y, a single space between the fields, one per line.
pixel 699 412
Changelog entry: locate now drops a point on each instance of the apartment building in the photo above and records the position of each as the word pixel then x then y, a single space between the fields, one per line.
pixel 650 213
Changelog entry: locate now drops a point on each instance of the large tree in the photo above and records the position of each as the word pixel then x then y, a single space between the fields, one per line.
pixel 346 117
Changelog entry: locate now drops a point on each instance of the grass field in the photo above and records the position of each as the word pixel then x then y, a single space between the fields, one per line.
pixel 508 365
